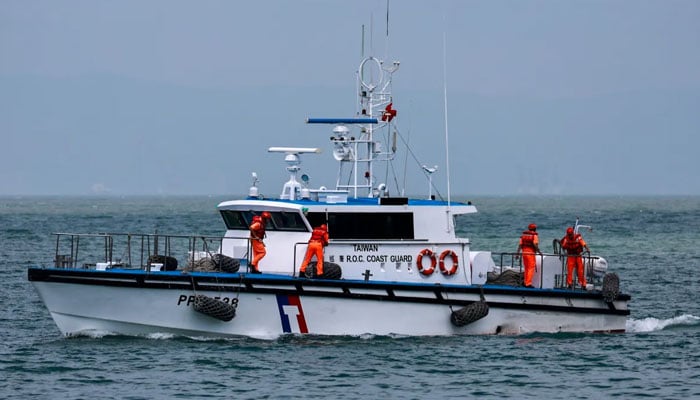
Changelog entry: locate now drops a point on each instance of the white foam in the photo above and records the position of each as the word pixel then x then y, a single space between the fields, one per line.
pixel 92 333
pixel 367 336
pixel 160 336
pixel 652 324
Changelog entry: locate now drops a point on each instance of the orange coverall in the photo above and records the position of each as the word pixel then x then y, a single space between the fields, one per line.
pixel 574 248
pixel 529 244
pixel 257 233
pixel 319 239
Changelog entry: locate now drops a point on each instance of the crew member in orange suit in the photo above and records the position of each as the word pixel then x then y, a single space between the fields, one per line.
pixel 529 245
pixel 257 234
pixel 319 239
pixel 574 244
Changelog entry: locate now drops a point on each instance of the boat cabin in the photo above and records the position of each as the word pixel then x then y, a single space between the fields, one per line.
pixel 392 239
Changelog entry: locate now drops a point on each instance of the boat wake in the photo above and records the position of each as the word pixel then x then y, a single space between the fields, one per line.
pixel 652 324
pixel 92 333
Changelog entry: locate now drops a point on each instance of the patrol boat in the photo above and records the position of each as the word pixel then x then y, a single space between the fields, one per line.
pixel 394 265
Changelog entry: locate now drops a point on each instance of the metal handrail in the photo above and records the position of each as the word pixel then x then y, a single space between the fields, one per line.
pixel 587 262
pixel 111 239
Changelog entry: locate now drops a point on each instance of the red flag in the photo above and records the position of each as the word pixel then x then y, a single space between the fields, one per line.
pixel 389 113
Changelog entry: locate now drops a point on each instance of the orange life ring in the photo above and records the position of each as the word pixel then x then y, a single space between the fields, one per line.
pixel 419 262
pixel 455 262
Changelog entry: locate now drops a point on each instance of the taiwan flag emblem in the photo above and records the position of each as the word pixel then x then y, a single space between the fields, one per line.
pixel 291 314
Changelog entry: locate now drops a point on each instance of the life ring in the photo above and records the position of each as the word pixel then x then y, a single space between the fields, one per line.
pixel 455 262
pixel 419 262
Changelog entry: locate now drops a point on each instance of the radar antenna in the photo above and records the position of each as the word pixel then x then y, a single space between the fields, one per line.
pixel 292 188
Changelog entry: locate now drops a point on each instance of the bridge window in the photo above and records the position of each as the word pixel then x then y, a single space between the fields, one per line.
pixel 281 220
pixel 365 225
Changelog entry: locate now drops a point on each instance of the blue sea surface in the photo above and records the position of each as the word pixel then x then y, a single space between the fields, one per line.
pixel 651 242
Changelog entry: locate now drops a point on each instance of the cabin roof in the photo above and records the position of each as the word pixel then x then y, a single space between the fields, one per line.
pixel 367 204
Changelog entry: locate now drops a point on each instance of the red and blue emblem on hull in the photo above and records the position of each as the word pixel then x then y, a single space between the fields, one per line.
pixel 291 314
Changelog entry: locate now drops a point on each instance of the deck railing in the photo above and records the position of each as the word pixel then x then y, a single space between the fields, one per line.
pixel 128 250
pixel 505 261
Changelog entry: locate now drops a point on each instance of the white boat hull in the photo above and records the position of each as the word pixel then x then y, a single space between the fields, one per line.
pixel 269 307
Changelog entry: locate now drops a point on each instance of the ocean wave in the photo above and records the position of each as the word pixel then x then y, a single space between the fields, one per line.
pixel 652 324
pixel 160 336
pixel 92 333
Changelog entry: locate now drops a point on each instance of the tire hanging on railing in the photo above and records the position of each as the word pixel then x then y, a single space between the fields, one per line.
pixel 611 287
pixel 214 308
pixel 226 263
pixel 468 314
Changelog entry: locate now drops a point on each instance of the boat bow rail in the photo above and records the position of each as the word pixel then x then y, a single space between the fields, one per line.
pixel 149 252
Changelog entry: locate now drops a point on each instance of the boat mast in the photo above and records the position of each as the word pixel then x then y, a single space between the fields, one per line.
pixel 361 150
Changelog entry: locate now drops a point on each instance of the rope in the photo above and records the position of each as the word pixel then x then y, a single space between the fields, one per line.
pixel 508 278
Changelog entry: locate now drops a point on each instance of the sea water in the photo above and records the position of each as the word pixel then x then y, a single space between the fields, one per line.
pixel 652 243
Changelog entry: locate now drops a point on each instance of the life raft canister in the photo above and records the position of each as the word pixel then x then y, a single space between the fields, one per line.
pixel 419 262
pixel 455 262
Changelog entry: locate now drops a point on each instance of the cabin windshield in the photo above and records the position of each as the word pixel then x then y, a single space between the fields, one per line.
pixel 280 221
pixel 390 226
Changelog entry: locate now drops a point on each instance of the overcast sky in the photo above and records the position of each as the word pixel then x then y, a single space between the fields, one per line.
pixel 182 97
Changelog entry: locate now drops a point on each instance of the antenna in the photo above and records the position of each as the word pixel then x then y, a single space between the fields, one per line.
pixel 362 48
pixel 386 43
pixel 387 19
pixel 430 172
pixel 253 191
pixel 447 136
